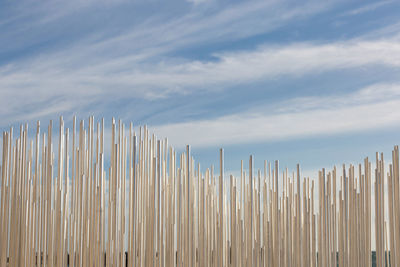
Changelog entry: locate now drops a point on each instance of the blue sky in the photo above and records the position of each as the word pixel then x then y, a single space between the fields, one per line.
pixel 309 82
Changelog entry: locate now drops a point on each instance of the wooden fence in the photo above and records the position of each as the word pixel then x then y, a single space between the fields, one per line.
pixel 142 204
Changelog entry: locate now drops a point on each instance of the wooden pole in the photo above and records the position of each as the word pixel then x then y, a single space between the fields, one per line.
pixel 59 207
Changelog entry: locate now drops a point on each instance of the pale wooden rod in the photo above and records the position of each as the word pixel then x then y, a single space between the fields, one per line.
pixel 131 200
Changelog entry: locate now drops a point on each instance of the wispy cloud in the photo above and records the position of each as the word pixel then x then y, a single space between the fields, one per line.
pixel 137 62
pixel 154 34
pixel 367 8
pixel 132 62
pixel 269 62
pixel 80 84
pixel 346 113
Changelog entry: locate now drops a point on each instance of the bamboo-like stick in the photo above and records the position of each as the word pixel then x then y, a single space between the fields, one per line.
pixel 59 207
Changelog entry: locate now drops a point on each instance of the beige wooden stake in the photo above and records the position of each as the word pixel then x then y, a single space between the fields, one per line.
pixel 221 214
pixel 53 206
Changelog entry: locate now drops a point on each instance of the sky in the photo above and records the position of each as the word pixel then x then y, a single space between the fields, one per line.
pixel 309 82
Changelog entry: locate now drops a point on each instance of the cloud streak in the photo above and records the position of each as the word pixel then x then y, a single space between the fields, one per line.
pixel 367 8
pixel 346 113
pixel 154 80
pixel 136 63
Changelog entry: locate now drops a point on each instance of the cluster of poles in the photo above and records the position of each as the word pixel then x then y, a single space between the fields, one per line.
pixel 145 205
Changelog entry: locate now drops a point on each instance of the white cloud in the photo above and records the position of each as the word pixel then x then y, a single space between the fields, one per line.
pixel 347 113
pixel 114 65
pixel 270 62
pixel 57 85
pixel 197 2
pixel 135 64
pixel 367 8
